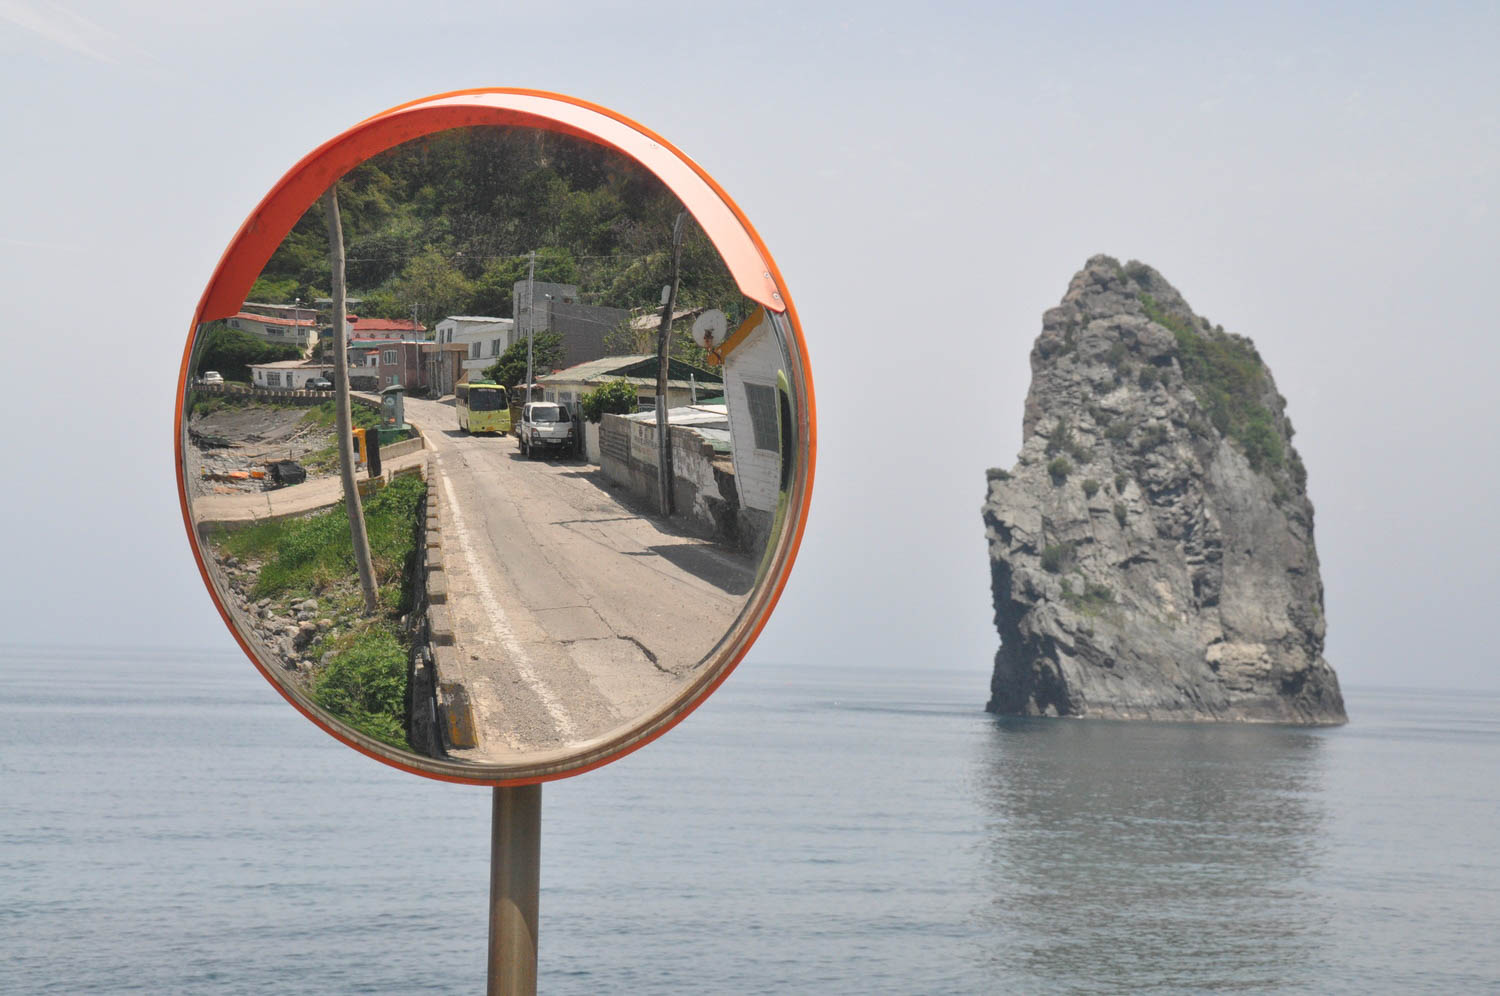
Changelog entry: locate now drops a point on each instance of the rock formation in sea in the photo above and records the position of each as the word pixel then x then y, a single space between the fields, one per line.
pixel 1151 552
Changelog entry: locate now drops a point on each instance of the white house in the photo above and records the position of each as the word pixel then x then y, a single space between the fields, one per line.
pixel 289 374
pixel 485 337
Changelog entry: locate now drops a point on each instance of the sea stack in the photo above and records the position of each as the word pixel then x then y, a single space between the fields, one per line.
pixel 1151 552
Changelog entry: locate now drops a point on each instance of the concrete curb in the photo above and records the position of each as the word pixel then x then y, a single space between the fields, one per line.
pixel 455 717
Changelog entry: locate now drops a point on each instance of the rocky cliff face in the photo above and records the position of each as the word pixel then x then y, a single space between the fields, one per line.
pixel 1151 552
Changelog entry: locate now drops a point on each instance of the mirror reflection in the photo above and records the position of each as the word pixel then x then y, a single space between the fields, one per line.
pixel 533 579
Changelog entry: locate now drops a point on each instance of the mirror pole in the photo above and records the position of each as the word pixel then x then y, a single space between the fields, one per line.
pixel 515 880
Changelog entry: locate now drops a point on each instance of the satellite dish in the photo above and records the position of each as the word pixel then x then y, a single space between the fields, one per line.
pixel 708 330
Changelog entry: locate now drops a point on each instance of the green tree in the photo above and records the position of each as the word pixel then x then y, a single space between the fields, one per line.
pixel 432 287
pixel 618 397
pixel 494 290
pixel 510 368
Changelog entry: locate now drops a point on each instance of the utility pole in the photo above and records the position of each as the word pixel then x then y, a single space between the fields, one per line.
pixel 342 422
pixel 663 358
pixel 530 318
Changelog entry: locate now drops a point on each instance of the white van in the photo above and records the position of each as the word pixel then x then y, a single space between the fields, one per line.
pixel 545 425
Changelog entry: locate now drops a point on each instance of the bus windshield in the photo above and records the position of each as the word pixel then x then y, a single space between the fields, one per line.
pixel 486 399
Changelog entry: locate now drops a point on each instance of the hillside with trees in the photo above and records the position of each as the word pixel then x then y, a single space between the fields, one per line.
pixel 443 225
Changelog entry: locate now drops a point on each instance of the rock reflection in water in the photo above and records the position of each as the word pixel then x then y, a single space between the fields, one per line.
pixel 1163 854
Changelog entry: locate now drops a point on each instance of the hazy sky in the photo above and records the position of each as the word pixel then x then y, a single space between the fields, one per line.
pixel 928 182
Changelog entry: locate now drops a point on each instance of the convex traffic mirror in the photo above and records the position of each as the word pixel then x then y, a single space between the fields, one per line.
pixel 574 456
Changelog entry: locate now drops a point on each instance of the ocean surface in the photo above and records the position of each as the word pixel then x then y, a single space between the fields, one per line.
pixel 168 824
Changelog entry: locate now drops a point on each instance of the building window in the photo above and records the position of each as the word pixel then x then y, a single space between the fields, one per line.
pixel 234 323
pixel 762 401
pixel 390 379
pixel 273 379
pixel 389 356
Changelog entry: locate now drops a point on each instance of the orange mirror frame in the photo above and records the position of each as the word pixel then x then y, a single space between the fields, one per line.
pixel 745 256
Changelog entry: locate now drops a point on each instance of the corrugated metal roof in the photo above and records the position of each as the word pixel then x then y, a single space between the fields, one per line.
pixel 602 371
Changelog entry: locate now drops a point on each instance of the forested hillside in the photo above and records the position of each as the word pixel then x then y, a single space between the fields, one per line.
pixel 443 225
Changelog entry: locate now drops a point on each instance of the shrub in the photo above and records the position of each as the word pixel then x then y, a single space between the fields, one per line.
pixel 1148 377
pixel 365 686
pixel 1115 355
pixel 1090 488
pixel 1059 469
pixel 1228 378
pixel 1120 481
pixel 1120 512
pixel 1118 429
pixel 1061 439
pixel 615 398
pixel 1056 558
pixel 1153 436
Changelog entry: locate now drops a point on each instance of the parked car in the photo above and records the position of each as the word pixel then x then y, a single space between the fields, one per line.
pixel 211 377
pixel 318 384
pixel 545 425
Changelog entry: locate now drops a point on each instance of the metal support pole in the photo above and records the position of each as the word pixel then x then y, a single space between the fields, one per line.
pixel 515 881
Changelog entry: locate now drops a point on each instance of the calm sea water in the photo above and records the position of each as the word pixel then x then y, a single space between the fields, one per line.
pixel 167 824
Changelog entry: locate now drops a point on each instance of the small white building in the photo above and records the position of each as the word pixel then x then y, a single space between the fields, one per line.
pixel 291 375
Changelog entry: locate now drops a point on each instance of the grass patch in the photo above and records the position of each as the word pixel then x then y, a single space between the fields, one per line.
pixel 1228 379
pixel 1094 598
pixel 301 557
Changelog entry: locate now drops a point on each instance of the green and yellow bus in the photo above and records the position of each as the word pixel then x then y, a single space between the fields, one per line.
pixel 482 407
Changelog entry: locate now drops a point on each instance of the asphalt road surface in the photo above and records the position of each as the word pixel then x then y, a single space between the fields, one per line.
pixel 574 611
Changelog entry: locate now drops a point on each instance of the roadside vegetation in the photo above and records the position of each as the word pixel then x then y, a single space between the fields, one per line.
pixel 361 677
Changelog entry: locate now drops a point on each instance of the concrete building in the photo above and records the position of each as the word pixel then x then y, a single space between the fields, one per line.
pixel 530 303
pixel 376 364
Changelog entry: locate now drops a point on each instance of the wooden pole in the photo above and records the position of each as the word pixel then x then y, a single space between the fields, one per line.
pixel 515 885
pixel 663 357
pixel 343 419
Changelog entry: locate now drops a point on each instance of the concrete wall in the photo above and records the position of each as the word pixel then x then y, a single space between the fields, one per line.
pixel 703 485
pixel 591 442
